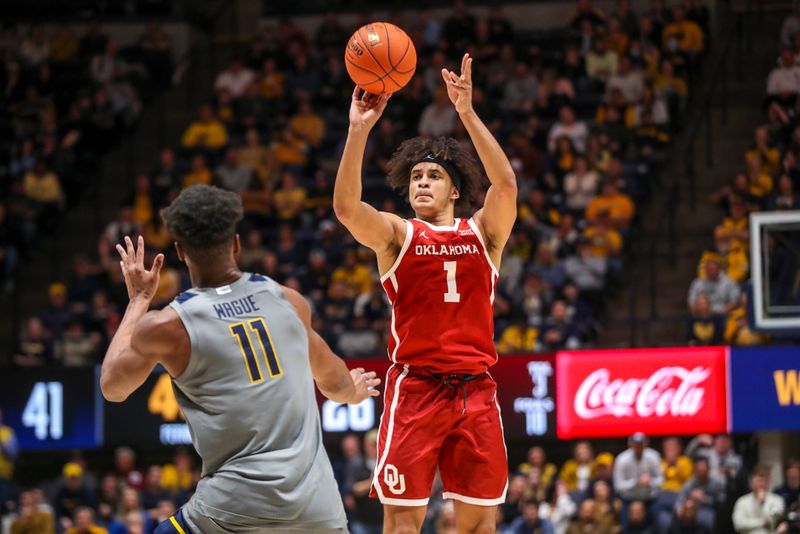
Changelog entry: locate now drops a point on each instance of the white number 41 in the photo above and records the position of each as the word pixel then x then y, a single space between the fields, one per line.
pixel 45 418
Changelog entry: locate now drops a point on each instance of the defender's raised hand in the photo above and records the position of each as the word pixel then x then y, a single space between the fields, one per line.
pixel 365 385
pixel 141 283
pixel 459 88
pixel 366 108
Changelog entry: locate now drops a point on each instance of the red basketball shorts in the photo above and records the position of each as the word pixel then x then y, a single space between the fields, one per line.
pixel 424 426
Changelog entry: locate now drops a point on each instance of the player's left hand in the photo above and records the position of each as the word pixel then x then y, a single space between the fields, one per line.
pixel 365 383
pixel 141 283
pixel 459 88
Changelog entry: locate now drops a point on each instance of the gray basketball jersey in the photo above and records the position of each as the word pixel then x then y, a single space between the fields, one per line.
pixel 248 398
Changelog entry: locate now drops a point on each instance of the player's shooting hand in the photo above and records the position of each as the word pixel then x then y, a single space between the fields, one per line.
pixel 366 108
pixel 365 383
pixel 459 88
pixel 141 283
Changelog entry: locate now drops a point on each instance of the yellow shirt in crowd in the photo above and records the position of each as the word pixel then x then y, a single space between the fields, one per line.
pixel 208 134
pixel 687 33
pixel 676 475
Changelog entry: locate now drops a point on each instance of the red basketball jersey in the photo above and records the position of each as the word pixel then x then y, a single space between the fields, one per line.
pixel 442 292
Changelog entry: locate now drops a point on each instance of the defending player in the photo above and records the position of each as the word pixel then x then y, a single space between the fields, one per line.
pixel 241 353
pixel 439 273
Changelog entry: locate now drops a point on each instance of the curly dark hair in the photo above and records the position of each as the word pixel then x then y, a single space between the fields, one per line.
pixel 203 219
pixel 413 150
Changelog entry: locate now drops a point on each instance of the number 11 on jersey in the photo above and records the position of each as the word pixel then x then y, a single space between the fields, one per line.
pixel 452 294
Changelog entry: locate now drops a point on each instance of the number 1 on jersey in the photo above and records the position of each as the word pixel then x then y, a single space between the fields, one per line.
pixel 452 294
pixel 267 349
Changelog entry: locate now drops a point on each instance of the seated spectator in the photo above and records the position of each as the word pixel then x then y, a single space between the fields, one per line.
pixel 35 346
pixel 142 201
pixel 519 94
pixel 706 490
pixel 687 519
pixel 783 84
pixel 784 197
pixel 548 268
pixel 43 189
pixel 199 173
pixel 601 63
pixel 534 300
pixel 84 523
pixel 518 337
pixel 308 125
pixel 562 161
pixel 617 39
pixel 619 206
pixel 614 99
pixel 537 457
pixel 628 80
pixel 737 328
pixel 637 519
pixel 32 519
pixel 790 490
pixel 587 270
pixel 760 511
pixel 586 523
pixel 568 126
pixel 769 157
pixel 677 467
pixel 258 157
pixel 724 461
pixel 682 35
pixel 510 509
pixel 604 239
pixel 439 117
pixel 64 46
pixel 637 473
pixel 559 331
pixel 736 227
pixel 290 150
pixel 77 348
pixel 354 274
pixel 235 79
pixel 668 86
pixel 580 469
pixel 529 521
pixel 721 291
pixel 703 327
pixel 206 133
pixel 648 104
pixel 580 186
pixel 34 49
pixel 57 314
pixel 290 198
pixel 606 507
pixel 759 183
pixel 233 175
pixel 73 493
pixel 271 81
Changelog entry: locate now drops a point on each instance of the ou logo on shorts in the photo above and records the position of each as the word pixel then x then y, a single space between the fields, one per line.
pixel 393 479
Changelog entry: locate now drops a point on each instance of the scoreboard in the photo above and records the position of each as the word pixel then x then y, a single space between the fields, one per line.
pixel 61 409
pixel 53 409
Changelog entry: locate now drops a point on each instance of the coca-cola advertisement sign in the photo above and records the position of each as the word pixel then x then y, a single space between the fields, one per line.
pixel 613 393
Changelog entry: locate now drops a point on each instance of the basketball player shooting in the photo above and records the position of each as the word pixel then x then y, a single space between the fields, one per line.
pixel 439 272
pixel 242 354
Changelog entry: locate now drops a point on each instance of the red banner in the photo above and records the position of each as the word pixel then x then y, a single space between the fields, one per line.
pixel 614 393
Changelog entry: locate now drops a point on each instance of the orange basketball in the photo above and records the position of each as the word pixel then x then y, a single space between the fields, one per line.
pixel 380 58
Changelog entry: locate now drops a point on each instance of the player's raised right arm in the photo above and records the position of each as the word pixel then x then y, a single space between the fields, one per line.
pixel 369 226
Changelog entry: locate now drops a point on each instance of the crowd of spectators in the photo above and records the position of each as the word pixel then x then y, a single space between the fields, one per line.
pixel 65 100
pixel 126 499
pixel 768 181
pixel 704 488
pixel 585 113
